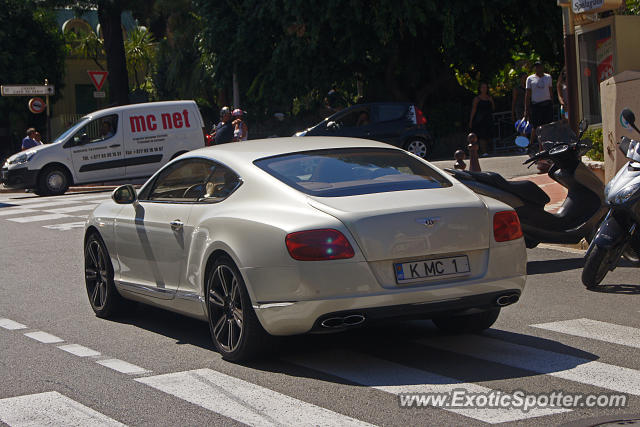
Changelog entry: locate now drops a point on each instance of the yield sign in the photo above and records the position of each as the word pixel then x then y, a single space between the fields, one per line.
pixel 98 78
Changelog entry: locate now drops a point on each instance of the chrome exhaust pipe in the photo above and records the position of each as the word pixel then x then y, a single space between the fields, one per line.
pixel 508 299
pixel 342 322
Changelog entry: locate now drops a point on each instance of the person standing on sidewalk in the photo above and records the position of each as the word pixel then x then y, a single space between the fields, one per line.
pixel 29 141
pixel 563 94
pixel 481 119
pixel 538 102
pixel 518 96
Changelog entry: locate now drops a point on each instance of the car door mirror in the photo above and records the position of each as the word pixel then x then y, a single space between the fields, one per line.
pixel 333 126
pixel 125 195
pixel 583 125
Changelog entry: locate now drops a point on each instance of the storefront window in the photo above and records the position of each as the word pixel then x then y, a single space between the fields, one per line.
pixel 596 65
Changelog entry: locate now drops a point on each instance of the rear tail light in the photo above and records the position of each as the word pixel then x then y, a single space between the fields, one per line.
pixel 420 118
pixel 318 245
pixel 506 226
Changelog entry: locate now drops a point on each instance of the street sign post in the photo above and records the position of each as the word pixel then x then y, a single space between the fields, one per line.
pixel 98 78
pixel 27 90
pixel 36 105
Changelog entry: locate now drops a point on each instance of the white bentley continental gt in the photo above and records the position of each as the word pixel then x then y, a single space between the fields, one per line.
pixel 289 236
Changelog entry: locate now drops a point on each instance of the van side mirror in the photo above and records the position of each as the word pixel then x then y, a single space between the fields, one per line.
pixel 124 195
pixel 81 140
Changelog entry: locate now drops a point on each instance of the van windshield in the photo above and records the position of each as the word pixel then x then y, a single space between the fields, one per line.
pixel 83 121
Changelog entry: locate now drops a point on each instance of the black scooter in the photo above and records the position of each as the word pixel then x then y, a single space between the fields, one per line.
pixel 582 210
pixel 618 235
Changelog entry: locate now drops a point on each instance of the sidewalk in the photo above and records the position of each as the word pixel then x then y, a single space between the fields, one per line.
pixel 556 192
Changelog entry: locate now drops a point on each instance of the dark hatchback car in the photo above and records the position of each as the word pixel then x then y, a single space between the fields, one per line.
pixel 396 123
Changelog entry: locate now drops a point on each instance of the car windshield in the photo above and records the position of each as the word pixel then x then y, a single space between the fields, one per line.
pixel 352 171
pixel 72 130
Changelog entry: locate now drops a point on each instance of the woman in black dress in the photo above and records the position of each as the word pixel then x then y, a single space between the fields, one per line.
pixel 481 120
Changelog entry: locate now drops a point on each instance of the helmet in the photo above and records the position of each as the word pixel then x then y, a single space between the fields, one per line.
pixel 224 111
pixel 523 127
pixel 237 112
pixel 517 124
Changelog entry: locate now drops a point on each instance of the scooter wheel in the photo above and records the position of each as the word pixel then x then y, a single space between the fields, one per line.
pixel 597 264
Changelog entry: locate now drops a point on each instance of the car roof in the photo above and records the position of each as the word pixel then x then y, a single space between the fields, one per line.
pixel 249 151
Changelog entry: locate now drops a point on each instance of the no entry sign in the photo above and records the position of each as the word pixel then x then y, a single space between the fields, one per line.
pixel 37 105
pixel 98 78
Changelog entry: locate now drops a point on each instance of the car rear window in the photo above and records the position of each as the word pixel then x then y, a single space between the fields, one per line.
pixel 352 171
pixel 388 112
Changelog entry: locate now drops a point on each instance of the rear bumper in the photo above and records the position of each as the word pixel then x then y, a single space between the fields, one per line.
pixel 18 177
pixel 290 318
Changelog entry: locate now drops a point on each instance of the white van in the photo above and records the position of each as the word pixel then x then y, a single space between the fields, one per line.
pixel 126 142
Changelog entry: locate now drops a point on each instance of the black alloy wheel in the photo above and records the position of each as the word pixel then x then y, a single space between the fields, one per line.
pixel 98 272
pixel 235 329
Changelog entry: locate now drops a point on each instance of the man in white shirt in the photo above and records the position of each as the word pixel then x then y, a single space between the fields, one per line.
pixel 538 104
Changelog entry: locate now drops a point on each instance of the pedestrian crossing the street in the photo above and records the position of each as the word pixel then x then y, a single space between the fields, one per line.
pixel 256 405
pixel 61 213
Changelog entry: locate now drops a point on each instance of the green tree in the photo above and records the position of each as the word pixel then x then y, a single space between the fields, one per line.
pixel 402 50
pixel 38 55
pixel 140 51
pixel 109 16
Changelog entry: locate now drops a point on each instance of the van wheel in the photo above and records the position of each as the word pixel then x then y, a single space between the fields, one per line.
pixel 419 147
pixel 53 181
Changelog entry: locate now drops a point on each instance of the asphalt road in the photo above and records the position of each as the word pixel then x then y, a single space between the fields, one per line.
pixel 176 378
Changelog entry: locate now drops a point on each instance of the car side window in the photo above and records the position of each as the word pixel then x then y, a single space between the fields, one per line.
pixel 97 130
pixel 220 184
pixel 355 118
pixel 390 112
pixel 183 181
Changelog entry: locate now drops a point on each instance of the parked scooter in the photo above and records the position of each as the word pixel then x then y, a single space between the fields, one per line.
pixel 618 235
pixel 582 210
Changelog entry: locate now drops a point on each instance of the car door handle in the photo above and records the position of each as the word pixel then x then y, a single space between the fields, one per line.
pixel 114 146
pixel 176 225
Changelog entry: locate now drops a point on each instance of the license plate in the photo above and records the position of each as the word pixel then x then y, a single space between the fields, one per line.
pixel 415 271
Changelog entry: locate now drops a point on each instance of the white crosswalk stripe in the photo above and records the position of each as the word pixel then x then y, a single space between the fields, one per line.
pixel 395 378
pixel 18 211
pixel 243 401
pixel 70 209
pixel 122 366
pixel 48 212
pixel 585 371
pixel 50 409
pixel 65 226
pixel 36 218
pixel 594 329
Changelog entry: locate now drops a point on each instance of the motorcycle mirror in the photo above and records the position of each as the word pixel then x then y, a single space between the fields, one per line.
pixel 629 116
pixel 522 141
pixel 583 125
pixel 624 145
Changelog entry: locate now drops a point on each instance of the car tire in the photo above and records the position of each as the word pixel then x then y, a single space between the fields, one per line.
pixel 467 323
pixel 235 329
pixel 53 181
pixel 419 147
pixel 104 298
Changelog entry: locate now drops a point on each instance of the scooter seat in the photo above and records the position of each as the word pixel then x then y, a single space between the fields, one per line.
pixel 526 190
